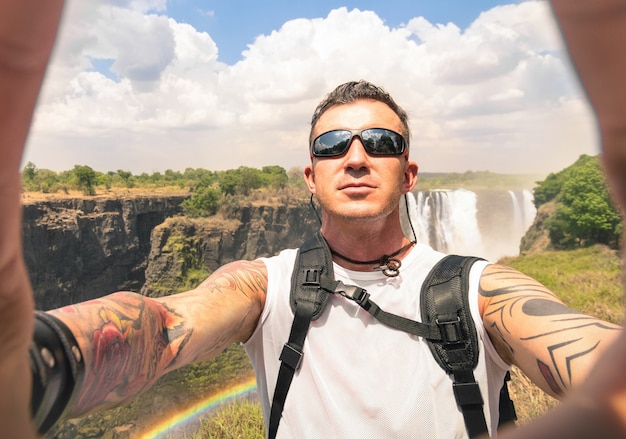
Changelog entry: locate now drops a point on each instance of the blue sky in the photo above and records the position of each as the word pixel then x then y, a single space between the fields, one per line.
pixel 150 85
pixel 234 24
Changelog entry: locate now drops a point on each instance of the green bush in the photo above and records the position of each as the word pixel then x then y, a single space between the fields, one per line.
pixel 204 202
pixel 584 214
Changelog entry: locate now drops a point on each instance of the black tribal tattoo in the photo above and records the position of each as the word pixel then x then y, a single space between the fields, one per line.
pixel 561 328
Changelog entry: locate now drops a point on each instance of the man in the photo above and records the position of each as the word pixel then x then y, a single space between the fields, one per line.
pixel 127 341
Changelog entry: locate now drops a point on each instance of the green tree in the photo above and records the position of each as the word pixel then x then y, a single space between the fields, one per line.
pixel 548 189
pixel 274 176
pixel 47 181
pixel 126 177
pixel 171 175
pixel 86 179
pixel 29 173
pixel 228 181
pixel 249 179
pixel 204 202
pixel 584 214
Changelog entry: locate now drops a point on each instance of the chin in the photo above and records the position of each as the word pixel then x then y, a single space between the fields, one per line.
pixel 361 213
pixel 356 210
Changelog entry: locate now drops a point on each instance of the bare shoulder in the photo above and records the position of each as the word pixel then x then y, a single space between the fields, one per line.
pixel 505 296
pixel 496 276
pixel 499 282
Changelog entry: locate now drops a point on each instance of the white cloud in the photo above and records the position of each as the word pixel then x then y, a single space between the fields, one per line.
pixel 497 95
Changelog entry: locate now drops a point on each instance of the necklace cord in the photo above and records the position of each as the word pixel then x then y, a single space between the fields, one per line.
pixel 383 260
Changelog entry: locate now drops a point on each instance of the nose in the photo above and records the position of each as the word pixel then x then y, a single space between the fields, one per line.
pixel 356 157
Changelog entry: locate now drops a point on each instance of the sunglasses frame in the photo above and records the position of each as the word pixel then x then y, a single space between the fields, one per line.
pixel 359 134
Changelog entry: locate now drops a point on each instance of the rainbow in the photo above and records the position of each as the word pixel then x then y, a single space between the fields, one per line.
pixel 193 412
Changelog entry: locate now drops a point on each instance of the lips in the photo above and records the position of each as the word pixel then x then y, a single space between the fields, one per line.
pixel 356 186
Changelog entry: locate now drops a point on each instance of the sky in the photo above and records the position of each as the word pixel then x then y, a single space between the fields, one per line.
pixel 151 85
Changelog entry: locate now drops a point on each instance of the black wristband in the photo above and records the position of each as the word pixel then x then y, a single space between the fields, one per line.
pixel 58 368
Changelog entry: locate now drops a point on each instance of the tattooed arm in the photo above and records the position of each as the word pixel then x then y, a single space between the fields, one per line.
pixel 129 341
pixel 554 345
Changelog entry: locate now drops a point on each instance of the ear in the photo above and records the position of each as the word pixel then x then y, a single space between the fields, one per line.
pixel 410 176
pixel 309 178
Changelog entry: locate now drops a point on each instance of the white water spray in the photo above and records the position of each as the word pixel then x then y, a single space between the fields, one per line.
pixel 448 221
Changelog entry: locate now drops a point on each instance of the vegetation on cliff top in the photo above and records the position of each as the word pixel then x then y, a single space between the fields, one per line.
pixel 234 182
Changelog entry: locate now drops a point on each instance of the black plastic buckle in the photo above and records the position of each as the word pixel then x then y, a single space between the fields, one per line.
pixel 451 331
pixel 352 292
pixel 312 277
pixel 291 356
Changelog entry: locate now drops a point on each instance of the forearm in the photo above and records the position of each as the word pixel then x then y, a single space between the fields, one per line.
pixel 572 419
pixel 27 32
pixel 127 342
pixel 596 409
pixel 554 345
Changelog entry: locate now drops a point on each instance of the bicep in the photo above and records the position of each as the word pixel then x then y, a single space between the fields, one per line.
pixel 553 344
pixel 222 310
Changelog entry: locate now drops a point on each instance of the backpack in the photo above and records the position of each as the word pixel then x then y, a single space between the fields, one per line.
pixel 447 326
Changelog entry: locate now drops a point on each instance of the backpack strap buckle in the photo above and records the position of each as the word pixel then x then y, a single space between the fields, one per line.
pixel 359 295
pixel 451 330
pixel 312 277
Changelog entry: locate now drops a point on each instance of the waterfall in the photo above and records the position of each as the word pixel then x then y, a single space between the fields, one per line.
pixel 489 224
pixel 446 220
pixel 523 211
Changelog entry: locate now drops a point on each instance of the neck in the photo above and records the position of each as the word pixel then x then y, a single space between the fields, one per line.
pixel 354 244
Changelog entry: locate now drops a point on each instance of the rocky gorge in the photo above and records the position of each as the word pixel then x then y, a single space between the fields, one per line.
pixel 81 248
pixel 78 249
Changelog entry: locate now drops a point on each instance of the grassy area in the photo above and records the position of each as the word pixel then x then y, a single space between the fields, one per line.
pixel 239 420
pixel 473 180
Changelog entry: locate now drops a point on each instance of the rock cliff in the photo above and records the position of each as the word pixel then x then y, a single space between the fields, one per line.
pixel 78 249
pixel 81 248
pixel 183 244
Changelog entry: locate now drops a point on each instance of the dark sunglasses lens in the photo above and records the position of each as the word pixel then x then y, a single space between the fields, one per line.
pixel 379 141
pixel 331 144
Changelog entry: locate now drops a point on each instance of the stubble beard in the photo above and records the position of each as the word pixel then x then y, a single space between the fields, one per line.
pixel 360 214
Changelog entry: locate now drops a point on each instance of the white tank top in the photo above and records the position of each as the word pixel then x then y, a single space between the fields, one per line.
pixel 358 377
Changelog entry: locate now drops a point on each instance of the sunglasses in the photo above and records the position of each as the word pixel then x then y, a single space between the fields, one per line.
pixel 376 141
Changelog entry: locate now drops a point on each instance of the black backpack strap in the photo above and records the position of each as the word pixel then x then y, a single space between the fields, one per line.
pixel 447 324
pixel 508 415
pixel 311 283
pixel 445 303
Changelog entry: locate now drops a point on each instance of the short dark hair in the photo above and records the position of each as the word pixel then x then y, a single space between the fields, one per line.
pixel 356 90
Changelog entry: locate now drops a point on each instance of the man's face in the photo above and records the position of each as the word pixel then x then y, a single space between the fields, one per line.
pixel 357 185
